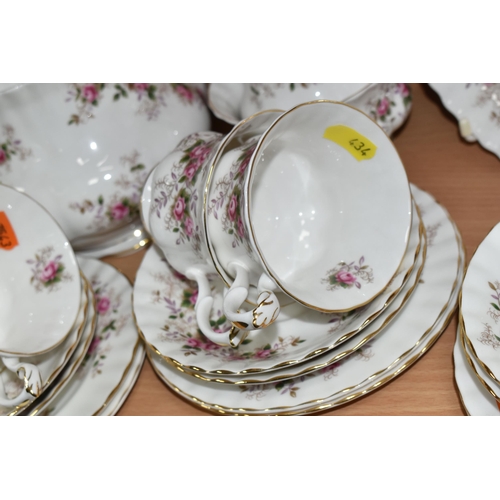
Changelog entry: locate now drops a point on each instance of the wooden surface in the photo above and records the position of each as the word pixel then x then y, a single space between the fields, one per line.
pixel 465 179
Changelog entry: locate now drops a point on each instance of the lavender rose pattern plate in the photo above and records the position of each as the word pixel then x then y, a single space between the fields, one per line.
pixel 397 347
pixel 40 287
pixel 112 351
pixel 164 302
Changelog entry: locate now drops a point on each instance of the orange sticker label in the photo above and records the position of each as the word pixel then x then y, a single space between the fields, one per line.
pixel 8 239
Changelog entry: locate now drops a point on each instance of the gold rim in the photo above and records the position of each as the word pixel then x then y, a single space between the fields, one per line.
pixel 69 352
pixel 112 410
pixel 338 356
pixel 198 370
pixel 466 348
pixel 118 386
pixel 208 184
pixel 54 391
pixel 320 405
pixel 247 206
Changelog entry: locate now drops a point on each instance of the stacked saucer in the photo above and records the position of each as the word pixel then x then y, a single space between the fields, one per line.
pixel 60 327
pixel 476 353
pixel 307 358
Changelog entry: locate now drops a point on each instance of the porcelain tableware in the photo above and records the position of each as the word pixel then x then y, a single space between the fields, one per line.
pixel 398 346
pixel 40 283
pixel 83 151
pixel 112 351
pixel 480 304
pixel 486 381
pixel 475 397
pixel 69 369
pixel 476 106
pixel 163 303
pixel 389 104
pixel 298 205
pixel 172 210
pixel 18 392
pixel 354 344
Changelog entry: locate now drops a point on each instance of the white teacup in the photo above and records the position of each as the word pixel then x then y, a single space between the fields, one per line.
pixel 315 204
pixel 171 210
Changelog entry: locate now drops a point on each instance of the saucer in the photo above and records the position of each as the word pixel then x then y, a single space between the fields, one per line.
pixel 347 348
pixel 475 398
pixel 163 303
pixel 51 363
pixel 112 353
pixel 398 346
pixel 39 278
pixel 116 401
pixel 476 107
pixel 70 367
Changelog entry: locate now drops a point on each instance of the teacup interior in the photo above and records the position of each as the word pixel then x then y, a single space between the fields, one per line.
pixel 331 228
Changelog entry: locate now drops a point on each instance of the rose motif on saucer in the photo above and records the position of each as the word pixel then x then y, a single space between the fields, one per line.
pixel 348 275
pixel 48 270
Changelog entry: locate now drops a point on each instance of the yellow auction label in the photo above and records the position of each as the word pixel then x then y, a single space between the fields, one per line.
pixel 358 145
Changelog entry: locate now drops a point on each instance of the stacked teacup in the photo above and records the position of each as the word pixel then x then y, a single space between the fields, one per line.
pixel 307 209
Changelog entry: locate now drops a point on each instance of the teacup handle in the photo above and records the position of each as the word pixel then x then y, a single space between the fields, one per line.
pixel 261 316
pixel 203 309
pixel 27 372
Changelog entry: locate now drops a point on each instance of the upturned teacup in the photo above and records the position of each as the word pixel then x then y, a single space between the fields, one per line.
pixel 314 203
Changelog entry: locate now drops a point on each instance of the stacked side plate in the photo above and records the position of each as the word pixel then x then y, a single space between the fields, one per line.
pixel 309 361
pixel 477 349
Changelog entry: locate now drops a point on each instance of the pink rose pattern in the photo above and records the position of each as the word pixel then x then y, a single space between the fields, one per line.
pixel 383 110
pixel 348 275
pixel 177 297
pixel 110 322
pixel 48 270
pixel 226 207
pixel 151 97
pixel 123 205
pixel 177 198
pixel 11 148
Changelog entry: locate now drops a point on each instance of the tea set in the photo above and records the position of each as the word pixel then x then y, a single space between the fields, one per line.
pixel 291 266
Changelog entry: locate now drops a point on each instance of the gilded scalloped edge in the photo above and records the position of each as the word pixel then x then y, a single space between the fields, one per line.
pixel 197 370
pixel 320 405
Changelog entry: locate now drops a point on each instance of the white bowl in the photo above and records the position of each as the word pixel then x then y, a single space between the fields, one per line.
pixel 84 150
